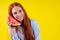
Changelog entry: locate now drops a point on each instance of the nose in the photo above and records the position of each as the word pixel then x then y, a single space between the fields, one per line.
pixel 18 14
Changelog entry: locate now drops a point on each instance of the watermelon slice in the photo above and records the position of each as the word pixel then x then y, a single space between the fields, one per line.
pixel 12 21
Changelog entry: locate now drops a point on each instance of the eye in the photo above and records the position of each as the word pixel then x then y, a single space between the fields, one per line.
pixel 19 10
pixel 15 12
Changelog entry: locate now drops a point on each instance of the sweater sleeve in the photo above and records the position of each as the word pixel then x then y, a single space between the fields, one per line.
pixel 35 29
pixel 14 36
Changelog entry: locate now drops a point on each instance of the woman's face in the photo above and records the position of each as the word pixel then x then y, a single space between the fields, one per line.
pixel 18 13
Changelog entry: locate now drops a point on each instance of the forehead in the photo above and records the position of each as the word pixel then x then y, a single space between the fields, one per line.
pixel 16 8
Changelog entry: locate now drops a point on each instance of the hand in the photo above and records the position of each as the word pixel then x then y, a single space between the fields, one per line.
pixel 12 30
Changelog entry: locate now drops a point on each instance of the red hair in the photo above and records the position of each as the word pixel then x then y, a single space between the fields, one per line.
pixel 25 23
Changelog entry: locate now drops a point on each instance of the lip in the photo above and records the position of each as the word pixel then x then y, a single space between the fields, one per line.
pixel 20 18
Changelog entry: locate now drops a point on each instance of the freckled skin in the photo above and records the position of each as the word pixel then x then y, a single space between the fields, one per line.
pixel 18 13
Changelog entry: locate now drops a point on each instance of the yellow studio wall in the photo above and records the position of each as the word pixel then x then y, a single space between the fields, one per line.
pixel 45 12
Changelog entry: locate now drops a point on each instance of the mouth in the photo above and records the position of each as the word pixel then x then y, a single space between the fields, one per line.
pixel 19 18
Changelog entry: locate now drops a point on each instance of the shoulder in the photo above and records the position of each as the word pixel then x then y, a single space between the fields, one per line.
pixel 34 23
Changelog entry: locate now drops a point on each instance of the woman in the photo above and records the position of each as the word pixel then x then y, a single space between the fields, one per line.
pixel 28 30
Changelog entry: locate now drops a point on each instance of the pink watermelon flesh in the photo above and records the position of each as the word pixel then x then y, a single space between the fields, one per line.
pixel 13 21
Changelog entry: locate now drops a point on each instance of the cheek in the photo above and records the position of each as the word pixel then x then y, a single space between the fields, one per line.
pixel 21 17
pixel 22 14
pixel 15 16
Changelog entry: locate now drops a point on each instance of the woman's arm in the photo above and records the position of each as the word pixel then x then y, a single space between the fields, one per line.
pixel 35 29
pixel 15 37
pixel 13 34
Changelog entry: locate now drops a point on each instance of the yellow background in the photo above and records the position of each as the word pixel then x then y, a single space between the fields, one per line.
pixel 45 12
